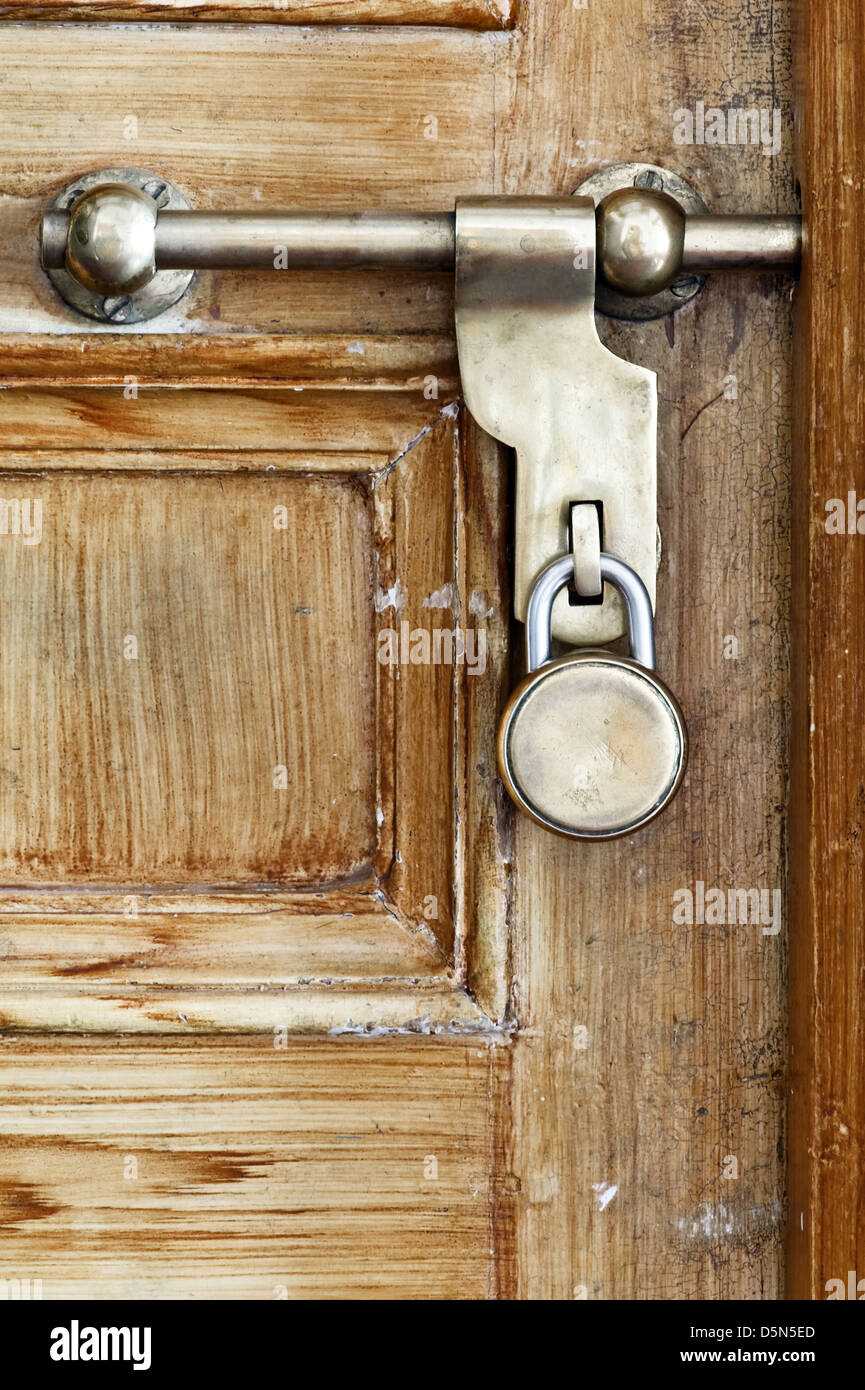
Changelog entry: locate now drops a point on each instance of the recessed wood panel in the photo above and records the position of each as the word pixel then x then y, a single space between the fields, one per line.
pixel 207 1168
pixel 248 804
pixel 188 691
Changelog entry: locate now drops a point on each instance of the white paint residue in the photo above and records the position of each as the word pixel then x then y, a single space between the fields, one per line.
pixel 606 1192
pixel 390 598
pixel 711 1221
pixel 356 347
pixel 479 604
pixel 445 597
pixel 379 816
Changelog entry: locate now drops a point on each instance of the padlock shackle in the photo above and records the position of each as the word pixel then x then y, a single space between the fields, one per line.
pixel 613 571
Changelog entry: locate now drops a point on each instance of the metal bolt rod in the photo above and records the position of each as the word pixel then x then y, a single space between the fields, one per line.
pixel 285 240
pixel 305 240
pixel 425 241
pixel 720 242
pixel 408 240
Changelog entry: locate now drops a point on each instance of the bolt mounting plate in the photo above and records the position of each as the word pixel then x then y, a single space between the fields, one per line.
pixel 166 287
pixel 609 180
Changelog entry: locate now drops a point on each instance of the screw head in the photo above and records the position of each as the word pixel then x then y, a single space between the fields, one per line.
pixel 111 245
pixel 641 235
pixel 117 308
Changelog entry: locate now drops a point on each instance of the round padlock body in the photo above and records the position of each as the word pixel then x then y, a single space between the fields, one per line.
pixel 592 745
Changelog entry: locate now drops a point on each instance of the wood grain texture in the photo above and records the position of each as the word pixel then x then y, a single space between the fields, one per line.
pixel 160 768
pixel 435 1004
pixel 647 1051
pixel 338 937
pixel 326 425
pixel 129 781
pixel 259 1173
pixel 827 1095
pixel 462 14
pixel 280 145
pixel 482 807
pixel 450 822
pixel 416 593
pixel 239 361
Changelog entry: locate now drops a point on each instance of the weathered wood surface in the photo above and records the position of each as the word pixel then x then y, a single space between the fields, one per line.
pixel 682 1058
pixel 184 766
pixel 174 651
pixel 461 14
pixel 330 361
pixel 237 118
pixel 646 1051
pixel 827 1016
pixel 208 1168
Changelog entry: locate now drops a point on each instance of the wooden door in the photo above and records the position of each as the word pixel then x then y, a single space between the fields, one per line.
pixel 294 1003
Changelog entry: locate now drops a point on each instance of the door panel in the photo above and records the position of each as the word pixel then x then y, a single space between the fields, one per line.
pixel 159 743
pixel 171 820
pixel 207 1168
pixel 594 1062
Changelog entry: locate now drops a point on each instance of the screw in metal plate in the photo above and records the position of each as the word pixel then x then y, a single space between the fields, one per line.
pixel 158 190
pixel 649 178
pixel 116 309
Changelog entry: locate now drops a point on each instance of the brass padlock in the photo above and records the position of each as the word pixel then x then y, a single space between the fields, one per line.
pixel 592 745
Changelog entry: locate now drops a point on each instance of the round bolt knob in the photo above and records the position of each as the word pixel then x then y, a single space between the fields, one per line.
pixel 641 236
pixel 111 245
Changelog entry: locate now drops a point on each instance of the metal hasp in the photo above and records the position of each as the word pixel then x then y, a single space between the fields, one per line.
pixel 535 375
pixel 121 245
